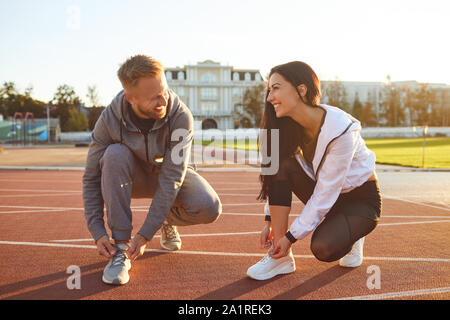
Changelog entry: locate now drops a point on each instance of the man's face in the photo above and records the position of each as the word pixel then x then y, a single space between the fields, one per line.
pixel 150 97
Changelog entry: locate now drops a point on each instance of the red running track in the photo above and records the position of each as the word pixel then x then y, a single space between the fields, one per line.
pixel 43 232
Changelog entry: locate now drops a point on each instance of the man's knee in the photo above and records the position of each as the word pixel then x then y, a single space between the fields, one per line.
pixel 116 155
pixel 212 211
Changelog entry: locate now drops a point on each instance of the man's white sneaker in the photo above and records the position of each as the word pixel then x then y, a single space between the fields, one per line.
pixel 116 271
pixel 355 257
pixel 170 238
pixel 268 267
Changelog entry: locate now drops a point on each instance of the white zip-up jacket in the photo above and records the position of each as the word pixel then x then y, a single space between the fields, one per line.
pixel 341 163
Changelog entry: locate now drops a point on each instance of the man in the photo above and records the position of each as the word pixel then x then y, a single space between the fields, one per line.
pixel 136 152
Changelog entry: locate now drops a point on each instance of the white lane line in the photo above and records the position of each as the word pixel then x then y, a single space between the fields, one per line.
pixel 182 236
pixel 145 209
pixel 233 183
pixel 40 195
pixel 236 189
pixel 416 222
pixel 43 244
pixel 416 202
pixel 234 254
pixel 34 211
pixel 239 194
pixel 415 217
pixel 33 207
pixel 400 294
pixel 41 180
pixel 40 190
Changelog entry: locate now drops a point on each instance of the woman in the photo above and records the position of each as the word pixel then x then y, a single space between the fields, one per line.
pixel 326 164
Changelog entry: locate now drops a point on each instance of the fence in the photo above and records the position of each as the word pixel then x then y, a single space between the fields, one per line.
pixel 31 132
pixel 24 132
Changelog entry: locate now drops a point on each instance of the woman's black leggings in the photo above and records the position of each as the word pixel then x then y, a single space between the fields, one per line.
pixel 354 215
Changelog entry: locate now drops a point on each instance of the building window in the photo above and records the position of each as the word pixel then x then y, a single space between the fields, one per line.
pixel 208 107
pixel 208 77
pixel 247 76
pixel 257 77
pixel 235 76
pixel 180 75
pixel 208 93
pixel 236 92
pixel 169 75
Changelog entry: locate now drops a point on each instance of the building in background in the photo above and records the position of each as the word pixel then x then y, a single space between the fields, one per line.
pixel 212 91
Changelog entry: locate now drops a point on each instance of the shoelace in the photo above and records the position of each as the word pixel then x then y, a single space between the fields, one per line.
pixel 119 258
pixel 170 231
pixel 265 259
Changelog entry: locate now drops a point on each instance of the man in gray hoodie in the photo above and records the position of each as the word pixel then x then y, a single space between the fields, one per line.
pixel 141 145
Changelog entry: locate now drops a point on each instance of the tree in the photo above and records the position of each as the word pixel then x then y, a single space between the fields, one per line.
pixel 368 117
pixel 357 107
pixel 12 101
pixel 391 104
pixel 94 106
pixel 64 100
pixel 77 121
pixel 92 96
pixel 421 101
pixel 336 95
pixel 252 106
pixel 94 114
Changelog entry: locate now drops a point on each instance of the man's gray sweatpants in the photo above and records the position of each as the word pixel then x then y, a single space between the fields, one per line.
pixel 124 176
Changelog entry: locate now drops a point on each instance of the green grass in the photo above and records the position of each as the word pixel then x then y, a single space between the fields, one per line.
pixel 404 152
pixel 408 152
pixel 239 144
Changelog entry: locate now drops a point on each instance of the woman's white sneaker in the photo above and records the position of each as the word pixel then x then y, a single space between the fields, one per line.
pixel 268 267
pixel 355 257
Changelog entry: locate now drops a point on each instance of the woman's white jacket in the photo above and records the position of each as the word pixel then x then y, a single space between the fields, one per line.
pixel 341 163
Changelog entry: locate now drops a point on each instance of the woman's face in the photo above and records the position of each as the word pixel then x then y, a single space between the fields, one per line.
pixel 283 95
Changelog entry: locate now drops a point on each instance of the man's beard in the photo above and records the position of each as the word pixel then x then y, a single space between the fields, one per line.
pixel 152 114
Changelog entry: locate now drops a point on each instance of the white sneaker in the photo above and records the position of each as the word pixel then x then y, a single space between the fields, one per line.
pixel 116 271
pixel 170 238
pixel 268 267
pixel 355 257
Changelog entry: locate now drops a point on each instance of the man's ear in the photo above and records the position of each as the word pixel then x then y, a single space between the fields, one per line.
pixel 127 97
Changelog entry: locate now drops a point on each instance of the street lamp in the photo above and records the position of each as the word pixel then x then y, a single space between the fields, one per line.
pixel 424 135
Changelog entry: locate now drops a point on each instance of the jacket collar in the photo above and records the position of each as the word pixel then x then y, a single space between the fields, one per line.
pixel 336 123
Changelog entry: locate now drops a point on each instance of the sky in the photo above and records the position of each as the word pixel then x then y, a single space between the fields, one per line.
pixel 48 43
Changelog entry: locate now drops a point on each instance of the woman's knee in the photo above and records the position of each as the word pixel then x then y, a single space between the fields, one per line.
pixel 324 251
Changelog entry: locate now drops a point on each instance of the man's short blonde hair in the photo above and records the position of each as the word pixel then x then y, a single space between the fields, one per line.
pixel 137 67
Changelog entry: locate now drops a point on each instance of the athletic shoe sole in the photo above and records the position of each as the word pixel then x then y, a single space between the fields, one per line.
pixel 115 282
pixel 284 268
pixel 350 265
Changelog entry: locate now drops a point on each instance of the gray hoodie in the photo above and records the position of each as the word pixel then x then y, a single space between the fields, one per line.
pixel 115 126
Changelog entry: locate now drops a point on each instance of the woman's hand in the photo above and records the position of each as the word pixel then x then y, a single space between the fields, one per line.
pixel 280 248
pixel 266 237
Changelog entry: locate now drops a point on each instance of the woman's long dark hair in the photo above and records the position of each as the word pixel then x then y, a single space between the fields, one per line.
pixel 290 132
